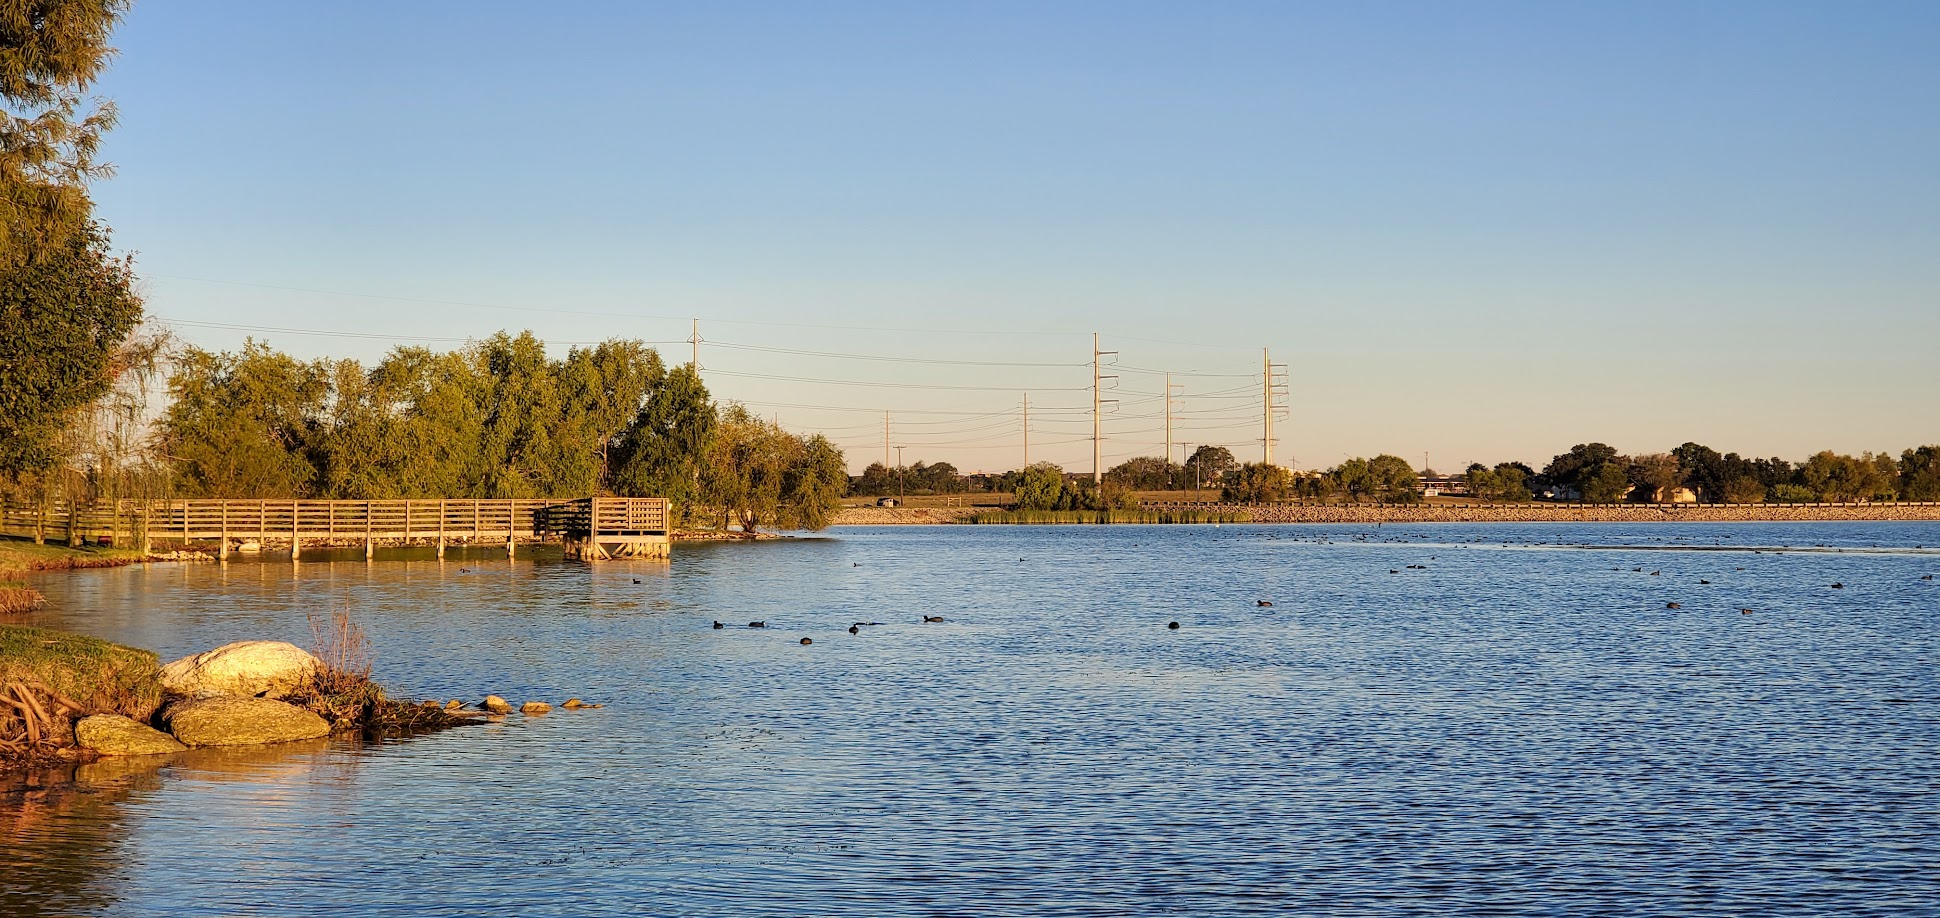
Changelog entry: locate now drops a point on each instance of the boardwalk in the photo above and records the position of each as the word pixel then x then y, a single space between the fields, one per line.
pixel 591 528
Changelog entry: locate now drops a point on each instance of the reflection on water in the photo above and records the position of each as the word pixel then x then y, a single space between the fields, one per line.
pixel 1423 722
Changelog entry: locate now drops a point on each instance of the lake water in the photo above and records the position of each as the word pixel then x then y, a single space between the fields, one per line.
pixel 1462 719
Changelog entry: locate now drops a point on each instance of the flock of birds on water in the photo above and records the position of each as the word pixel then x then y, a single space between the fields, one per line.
pixel 856 628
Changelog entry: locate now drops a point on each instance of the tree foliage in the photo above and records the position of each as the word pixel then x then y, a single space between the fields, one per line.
pixel 64 319
pixel 51 51
pixel 1258 483
pixel 495 419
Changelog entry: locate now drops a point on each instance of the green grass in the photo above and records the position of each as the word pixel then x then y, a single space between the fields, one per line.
pixel 1096 517
pixel 98 676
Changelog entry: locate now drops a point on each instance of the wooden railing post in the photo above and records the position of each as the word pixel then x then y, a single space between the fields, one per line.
pixel 296 536
pixel 441 529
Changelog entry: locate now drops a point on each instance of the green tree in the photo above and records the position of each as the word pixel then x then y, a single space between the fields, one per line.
pixel 1654 475
pixel 242 424
pixel 64 318
pixel 1840 478
pixel 1744 489
pixel 1393 479
pixel 51 51
pixel 1603 483
pixel 664 450
pixel 1149 473
pixel 1583 458
pixel 1920 474
pixel 1208 464
pixel 1353 479
pixel 760 475
pixel 1258 483
pixel 1039 487
pixel 876 481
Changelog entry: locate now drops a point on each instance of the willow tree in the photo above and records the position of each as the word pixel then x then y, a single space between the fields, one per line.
pixel 51 52
pixel 758 474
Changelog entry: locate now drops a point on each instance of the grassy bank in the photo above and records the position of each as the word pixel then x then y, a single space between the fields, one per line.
pixel 18 556
pixel 48 679
pixel 1096 517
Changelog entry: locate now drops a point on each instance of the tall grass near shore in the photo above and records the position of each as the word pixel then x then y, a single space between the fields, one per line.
pixel 1099 517
pixel 16 597
pixel 341 690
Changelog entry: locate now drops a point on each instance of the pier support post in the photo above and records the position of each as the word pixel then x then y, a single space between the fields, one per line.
pixel 222 548
pixel 441 530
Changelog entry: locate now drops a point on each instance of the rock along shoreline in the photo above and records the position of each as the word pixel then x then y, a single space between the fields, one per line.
pixel 1455 513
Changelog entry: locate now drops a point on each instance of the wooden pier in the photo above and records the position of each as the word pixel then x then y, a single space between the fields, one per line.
pixel 592 529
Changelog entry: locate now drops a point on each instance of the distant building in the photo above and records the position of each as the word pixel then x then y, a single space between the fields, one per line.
pixel 1437 485
pixel 885 502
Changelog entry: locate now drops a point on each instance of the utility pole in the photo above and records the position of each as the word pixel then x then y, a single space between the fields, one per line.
pixel 1027 430
pixel 1097 403
pixel 1168 419
pixel 1266 399
pixel 1268 389
pixel 885 439
pixel 695 340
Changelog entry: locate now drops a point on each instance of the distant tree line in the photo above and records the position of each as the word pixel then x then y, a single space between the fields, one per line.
pixel 1597 473
pixel 495 419
pixel 1593 472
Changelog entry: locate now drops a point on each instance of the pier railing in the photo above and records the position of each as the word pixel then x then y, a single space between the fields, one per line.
pixel 292 523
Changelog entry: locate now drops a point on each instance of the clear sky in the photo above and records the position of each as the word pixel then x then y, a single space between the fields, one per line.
pixel 1479 230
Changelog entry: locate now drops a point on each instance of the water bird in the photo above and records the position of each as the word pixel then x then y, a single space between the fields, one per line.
pixel 1393 571
pixel 1704 582
pixel 854 630
pixel 932 618
pixel 718 625
pixel 1656 573
pixel 1172 625
pixel 1672 605
pixel 636 580
pixel 1838 586
pixel 1636 570
pixel 1744 611
pixel 1927 577
pixel 464 570
pixel 757 624
pixel 806 642
pixel 1264 604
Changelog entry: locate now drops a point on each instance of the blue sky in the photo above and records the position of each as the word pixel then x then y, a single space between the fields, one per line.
pixel 1483 231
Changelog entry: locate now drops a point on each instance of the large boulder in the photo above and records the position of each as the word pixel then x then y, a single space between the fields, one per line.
pixel 113 734
pixel 247 669
pixel 230 721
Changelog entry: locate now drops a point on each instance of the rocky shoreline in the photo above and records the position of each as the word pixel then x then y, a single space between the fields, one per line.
pixel 1490 513
pixel 67 698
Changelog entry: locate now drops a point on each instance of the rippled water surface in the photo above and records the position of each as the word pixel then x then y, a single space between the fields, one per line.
pixel 1428 720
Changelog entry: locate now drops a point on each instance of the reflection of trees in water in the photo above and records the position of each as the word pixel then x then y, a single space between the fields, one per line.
pixel 62 829
pixel 61 833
